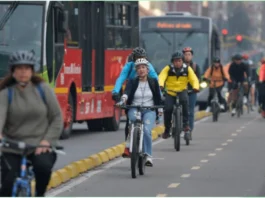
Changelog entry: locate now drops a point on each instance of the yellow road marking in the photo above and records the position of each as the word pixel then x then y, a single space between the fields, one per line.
pixel 174 185
pixel 195 168
pixel 211 154
pixel 185 175
pixel 161 195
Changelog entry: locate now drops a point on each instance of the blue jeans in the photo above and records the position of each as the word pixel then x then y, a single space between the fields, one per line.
pixel 148 118
pixel 192 103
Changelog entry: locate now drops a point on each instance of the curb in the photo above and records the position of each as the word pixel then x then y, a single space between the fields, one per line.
pixel 76 168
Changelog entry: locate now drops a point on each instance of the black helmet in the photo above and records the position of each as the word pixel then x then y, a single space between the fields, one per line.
pixel 138 52
pixel 177 55
pixel 237 57
pixel 22 58
pixel 216 60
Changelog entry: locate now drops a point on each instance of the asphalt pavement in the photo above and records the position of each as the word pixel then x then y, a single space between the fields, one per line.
pixel 226 158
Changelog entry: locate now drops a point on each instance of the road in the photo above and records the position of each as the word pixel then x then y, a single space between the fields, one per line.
pixel 224 159
pixel 84 143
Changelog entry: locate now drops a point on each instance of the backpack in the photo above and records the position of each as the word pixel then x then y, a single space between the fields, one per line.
pixel 130 71
pixel 39 88
pixel 222 71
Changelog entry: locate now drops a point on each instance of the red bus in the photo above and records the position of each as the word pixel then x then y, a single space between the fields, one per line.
pixel 81 46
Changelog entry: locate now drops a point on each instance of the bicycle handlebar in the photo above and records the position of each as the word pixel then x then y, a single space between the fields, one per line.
pixel 23 146
pixel 139 107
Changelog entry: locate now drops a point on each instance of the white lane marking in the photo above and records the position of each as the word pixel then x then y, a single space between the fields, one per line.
pixel 173 185
pixel 212 154
pixel 76 181
pixel 219 149
pixel 242 127
pixel 161 195
pixel 230 140
pixel 204 161
pixel 158 158
pixel 233 134
pixel 238 130
pixel 224 144
pixel 185 175
pixel 195 168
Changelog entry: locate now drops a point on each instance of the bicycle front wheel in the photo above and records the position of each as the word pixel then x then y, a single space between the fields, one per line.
pixel 177 128
pixel 135 152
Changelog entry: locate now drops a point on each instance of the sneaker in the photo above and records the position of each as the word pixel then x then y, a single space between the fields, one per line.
pixel 149 162
pixel 245 100
pixel 126 153
pixel 187 132
pixel 208 109
pixel 233 112
pixel 165 135
pixel 222 106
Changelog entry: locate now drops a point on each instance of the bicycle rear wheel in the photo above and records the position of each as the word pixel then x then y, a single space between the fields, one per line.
pixel 177 127
pixel 135 153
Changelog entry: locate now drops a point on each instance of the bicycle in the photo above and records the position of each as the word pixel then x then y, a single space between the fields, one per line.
pixel 138 157
pixel 22 184
pixel 239 103
pixel 177 124
pixel 215 105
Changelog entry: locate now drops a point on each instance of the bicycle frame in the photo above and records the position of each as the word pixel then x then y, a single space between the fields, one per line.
pixel 137 124
pixel 26 176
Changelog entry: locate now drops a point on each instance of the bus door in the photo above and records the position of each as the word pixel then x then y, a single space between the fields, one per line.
pixel 86 44
pixel 98 31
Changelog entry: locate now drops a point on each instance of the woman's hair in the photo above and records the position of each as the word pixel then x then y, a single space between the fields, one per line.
pixel 9 81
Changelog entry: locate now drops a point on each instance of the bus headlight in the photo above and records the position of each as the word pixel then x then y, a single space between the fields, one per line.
pixel 203 85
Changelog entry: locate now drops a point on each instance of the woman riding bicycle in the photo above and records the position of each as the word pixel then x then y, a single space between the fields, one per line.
pixel 216 73
pixel 27 118
pixel 144 91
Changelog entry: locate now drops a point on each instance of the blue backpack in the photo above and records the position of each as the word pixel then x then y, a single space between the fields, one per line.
pixel 39 88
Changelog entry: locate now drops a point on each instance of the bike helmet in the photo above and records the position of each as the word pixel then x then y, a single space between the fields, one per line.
pixel 237 57
pixel 245 56
pixel 187 49
pixel 216 60
pixel 177 55
pixel 22 58
pixel 138 52
pixel 141 61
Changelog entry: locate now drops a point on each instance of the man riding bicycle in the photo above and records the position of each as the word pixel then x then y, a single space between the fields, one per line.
pixel 188 55
pixel 143 91
pixel 175 78
pixel 237 72
pixel 129 72
pixel 216 73
pixel 262 88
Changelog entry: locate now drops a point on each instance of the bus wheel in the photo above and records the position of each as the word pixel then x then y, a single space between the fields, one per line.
pixel 95 125
pixel 113 123
pixel 68 124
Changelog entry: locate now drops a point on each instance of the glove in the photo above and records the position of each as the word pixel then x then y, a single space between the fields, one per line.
pixel 115 97
pixel 196 90
pixel 122 102
pixel 204 79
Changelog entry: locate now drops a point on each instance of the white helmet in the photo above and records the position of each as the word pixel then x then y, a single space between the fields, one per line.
pixel 141 61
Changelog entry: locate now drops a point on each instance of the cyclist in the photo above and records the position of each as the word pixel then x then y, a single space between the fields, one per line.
pixel 253 79
pixel 188 55
pixel 129 72
pixel 237 71
pixel 262 62
pixel 262 88
pixel 216 72
pixel 144 91
pixel 176 77
pixel 29 119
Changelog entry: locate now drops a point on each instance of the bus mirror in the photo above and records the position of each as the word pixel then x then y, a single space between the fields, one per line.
pixel 66 20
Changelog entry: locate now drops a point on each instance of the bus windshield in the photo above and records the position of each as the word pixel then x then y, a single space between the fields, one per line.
pixel 161 45
pixel 20 29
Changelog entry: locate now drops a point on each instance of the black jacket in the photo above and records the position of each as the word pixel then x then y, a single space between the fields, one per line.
pixel 236 72
pixel 132 85
pixel 197 72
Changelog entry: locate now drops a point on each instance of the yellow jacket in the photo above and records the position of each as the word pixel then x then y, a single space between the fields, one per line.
pixel 177 80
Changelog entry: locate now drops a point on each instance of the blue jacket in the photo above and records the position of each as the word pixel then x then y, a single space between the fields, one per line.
pixel 129 72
